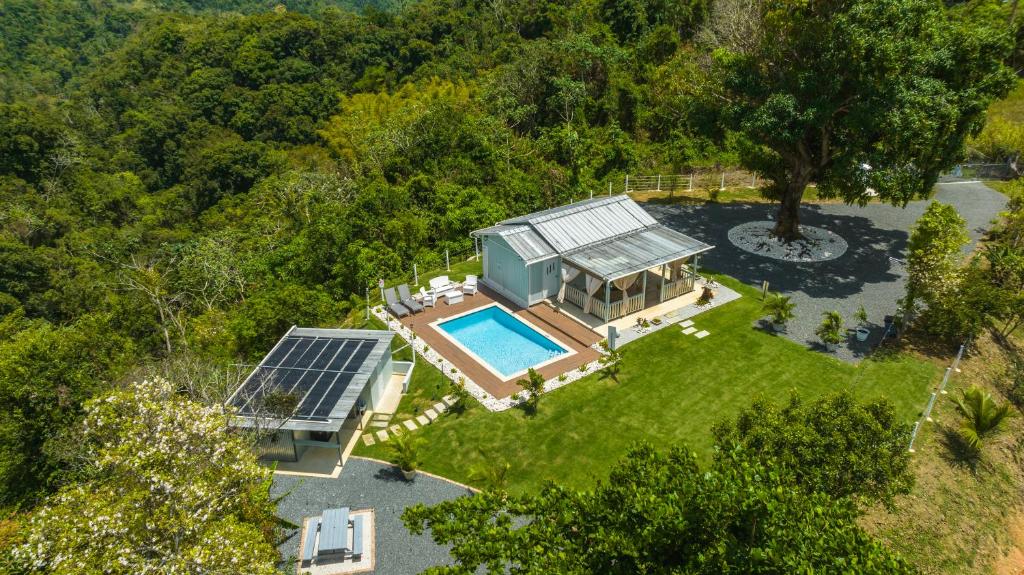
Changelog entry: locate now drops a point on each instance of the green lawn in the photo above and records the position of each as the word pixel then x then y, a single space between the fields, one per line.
pixel 673 389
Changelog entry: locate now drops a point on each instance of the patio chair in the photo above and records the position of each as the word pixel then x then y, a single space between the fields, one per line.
pixel 429 298
pixel 392 300
pixel 407 301
pixel 469 286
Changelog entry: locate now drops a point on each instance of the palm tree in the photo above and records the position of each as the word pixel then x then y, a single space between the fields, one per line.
pixel 490 475
pixel 982 415
pixel 781 309
pixel 831 329
pixel 405 453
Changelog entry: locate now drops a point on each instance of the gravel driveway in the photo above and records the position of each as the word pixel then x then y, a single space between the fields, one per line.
pixel 367 484
pixel 863 276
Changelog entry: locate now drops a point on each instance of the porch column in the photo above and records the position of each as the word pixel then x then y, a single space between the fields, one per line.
pixel 661 292
pixel 693 269
pixel 607 300
pixel 643 299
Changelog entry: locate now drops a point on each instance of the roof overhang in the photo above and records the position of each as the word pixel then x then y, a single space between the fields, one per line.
pixel 633 253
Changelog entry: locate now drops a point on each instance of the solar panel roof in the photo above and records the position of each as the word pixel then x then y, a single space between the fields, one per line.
pixel 325 370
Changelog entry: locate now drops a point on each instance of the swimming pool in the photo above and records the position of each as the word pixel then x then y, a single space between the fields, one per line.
pixel 503 343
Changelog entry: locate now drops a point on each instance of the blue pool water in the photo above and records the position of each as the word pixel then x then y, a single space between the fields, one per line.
pixel 499 338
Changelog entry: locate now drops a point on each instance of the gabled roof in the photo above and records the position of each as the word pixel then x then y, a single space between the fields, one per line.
pixel 608 236
pixel 325 370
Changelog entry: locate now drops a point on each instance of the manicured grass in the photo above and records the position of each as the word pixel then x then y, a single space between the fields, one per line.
pixel 672 388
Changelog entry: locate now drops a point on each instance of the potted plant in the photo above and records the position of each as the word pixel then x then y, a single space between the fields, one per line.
pixel 780 308
pixel 405 454
pixel 831 330
pixel 862 329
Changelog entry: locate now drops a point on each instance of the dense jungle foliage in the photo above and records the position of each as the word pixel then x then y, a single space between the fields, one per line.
pixel 186 178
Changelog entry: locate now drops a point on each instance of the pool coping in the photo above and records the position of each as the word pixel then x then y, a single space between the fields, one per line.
pixel 569 351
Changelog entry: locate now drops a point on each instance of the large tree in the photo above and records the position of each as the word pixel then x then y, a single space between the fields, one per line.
pixel 660 513
pixel 854 94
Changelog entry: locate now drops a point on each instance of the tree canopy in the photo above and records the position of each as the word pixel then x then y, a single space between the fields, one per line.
pixel 854 96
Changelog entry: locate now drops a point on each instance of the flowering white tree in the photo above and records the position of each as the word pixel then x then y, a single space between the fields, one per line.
pixel 167 490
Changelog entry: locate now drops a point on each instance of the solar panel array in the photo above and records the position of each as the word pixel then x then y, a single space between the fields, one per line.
pixel 317 370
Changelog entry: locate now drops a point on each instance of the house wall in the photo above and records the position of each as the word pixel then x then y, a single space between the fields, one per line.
pixel 505 271
pixel 545 277
pixel 374 390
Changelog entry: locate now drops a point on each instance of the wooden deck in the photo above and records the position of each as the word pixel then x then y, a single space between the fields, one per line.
pixel 566 329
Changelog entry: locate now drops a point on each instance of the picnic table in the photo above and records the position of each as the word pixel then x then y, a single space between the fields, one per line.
pixel 334 531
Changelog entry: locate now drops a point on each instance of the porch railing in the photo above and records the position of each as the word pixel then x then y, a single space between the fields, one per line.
pixel 575 296
pixel 617 308
pixel 676 288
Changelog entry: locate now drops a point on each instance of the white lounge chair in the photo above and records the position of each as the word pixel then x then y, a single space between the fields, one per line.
pixel 429 299
pixel 469 286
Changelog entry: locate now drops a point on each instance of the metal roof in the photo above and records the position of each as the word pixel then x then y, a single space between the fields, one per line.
pixel 523 240
pixel 633 253
pixel 327 369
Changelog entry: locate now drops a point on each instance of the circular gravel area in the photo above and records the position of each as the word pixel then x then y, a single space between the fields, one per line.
pixel 367 484
pixel 869 274
pixel 818 244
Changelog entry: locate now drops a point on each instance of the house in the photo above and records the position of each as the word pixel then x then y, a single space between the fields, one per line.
pixel 605 255
pixel 313 389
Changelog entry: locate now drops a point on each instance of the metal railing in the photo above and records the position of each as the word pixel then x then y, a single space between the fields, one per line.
pixel 926 415
pixel 694 180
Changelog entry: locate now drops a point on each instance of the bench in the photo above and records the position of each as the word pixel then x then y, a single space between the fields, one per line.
pixel 307 547
pixel 357 537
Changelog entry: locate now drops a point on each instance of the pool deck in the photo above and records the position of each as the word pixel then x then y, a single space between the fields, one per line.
pixel 563 328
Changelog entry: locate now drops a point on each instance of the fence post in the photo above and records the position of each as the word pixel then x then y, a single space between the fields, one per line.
pixel 627 185
pixel 415 275
pixel 367 303
pixel 476 250
pixel 753 181
pixel 447 262
pixel 721 187
pixel 659 182
pixel 690 187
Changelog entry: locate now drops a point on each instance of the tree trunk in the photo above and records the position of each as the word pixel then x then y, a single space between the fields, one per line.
pixel 787 222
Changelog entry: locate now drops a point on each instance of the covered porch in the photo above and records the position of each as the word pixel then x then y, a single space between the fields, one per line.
pixel 624 276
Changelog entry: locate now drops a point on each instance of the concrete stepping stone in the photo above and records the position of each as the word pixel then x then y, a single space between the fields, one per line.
pixel 440 407
pixel 701 334
pixel 449 399
pixel 686 323
pixel 423 420
pixel 383 423
pixel 410 424
pixel 431 414
pixel 396 429
pixel 689 330
pixel 368 439
pixel 382 435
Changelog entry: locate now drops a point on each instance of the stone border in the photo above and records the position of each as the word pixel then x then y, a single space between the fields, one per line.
pixel 819 244
pixel 427 473
pixel 483 396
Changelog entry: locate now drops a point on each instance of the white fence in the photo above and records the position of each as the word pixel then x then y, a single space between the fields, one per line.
pixel 926 415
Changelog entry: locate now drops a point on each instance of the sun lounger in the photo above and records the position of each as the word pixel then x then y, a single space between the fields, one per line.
pixel 407 301
pixel 357 537
pixel 469 286
pixel 396 308
pixel 308 550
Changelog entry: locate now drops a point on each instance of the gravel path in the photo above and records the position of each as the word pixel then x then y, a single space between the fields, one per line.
pixel 368 484
pixel 864 275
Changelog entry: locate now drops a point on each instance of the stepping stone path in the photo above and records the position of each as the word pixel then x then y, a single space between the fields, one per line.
pixel 687 323
pixel 701 334
pixel 426 418
pixel 689 330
